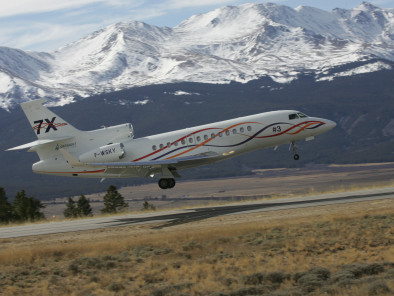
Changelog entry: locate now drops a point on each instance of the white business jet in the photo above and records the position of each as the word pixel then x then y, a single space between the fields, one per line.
pixel 113 152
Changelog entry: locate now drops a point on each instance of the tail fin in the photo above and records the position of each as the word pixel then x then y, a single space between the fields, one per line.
pixel 45 123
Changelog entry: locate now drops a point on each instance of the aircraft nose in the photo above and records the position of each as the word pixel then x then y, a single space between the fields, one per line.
pixel 330 124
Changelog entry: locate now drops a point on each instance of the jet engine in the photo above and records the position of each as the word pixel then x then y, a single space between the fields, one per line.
pixel 108 153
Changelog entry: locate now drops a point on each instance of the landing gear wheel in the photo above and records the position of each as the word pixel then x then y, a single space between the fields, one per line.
pixel 165 183
pixel 294 148
pixel 171 183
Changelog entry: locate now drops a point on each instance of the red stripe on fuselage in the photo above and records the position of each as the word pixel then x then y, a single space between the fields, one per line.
pixel 85 172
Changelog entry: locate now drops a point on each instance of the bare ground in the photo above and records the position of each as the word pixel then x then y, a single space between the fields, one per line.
pixel 264 184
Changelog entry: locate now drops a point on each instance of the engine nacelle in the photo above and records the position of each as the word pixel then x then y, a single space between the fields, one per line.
pixel 108 153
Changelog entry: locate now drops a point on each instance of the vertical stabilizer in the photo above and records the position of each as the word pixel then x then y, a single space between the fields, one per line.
pixel 45 123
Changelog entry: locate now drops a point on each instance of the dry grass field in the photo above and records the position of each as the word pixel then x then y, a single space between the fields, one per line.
pixel 345 249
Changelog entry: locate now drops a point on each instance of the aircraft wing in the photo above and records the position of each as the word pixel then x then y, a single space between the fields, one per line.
pixel 152 163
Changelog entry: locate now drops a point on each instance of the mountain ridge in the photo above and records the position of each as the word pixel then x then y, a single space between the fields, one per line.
pixel 232 43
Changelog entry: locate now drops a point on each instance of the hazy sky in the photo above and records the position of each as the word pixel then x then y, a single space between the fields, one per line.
pixel 45 25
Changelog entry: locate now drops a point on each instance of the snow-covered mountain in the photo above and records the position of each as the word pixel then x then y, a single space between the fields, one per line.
pixel 233 43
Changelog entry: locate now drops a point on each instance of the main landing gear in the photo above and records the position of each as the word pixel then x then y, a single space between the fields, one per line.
pixel 166 183
pixel 294 148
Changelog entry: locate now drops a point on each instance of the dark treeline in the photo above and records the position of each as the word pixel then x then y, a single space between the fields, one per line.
pixel 81 208
pixel 113 203
pixel 26 208
pixel 23 208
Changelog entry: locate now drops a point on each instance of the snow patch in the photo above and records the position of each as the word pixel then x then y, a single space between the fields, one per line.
pixel 359 70
pixel 142 102
pixel 184 93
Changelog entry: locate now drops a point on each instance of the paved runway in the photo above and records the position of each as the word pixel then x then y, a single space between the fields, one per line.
pixel 176 217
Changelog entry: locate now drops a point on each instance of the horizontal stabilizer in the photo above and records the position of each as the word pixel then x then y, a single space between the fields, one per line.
pixel 38 143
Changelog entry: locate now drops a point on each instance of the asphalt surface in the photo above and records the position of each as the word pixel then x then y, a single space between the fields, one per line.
pixel 177 217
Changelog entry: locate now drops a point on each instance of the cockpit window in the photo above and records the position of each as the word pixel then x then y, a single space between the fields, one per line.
pixel 293 116
pixel 302 115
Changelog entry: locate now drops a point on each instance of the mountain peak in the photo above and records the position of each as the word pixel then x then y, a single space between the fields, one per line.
pixel 367 6
pixel 232 43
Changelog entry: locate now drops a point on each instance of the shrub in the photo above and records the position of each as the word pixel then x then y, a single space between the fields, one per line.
pixel 321 272
pixel 277 277
pixel 262 290
pixel 146 206
pixel 115 287
pixel 172 289
pixel 372 269
pixel 312 279
pixel 359 270
pixel 310 282
pixel 74 268
pixel 342 275
pixel 191 246
pixel 254 279
pixel 378 288
pixel 390 273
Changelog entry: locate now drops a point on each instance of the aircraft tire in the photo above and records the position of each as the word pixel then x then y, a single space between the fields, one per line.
pixel 163 183
pixel 166 183
pixel 296 157
pixel 171 183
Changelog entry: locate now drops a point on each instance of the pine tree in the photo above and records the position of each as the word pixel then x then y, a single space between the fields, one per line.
pixel 113 201
pixel 27 208
pixel 71 210
pixel 83 207
pixel 20 205
pixel 33 209
pixel 5 207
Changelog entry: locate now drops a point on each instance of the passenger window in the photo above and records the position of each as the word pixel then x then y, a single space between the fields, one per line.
pixel 293 116
pixel 227 133
pixel 176 143
pixel 161 146
pixel 241 129
pixel 205 137
pixel 190 140
pixel 168 144
pixel 198 139
pixel 249 128
pixel 212 135
pixel 234 131
pixel 183 142
pixel 154 147
pixel 220 134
